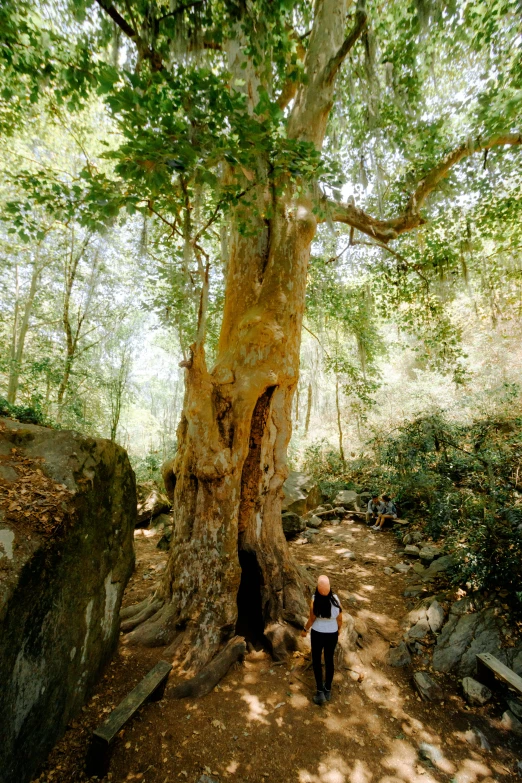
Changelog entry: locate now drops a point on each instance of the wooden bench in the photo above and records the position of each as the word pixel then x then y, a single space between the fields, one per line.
pixel 489 668
pixel 151 688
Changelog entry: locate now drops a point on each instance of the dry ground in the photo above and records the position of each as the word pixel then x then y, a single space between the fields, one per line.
pixel 259 725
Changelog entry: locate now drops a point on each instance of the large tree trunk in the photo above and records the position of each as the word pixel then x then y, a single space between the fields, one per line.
pixel 230 565
pixel 230 569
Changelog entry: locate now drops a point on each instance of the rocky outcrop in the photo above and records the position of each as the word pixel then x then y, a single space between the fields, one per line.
pixel 292 524
pixel 300 493
pixel 472 629
pixel 151 502
pixel 67 514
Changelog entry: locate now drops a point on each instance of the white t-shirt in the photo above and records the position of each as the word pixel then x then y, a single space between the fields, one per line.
pixel 327 624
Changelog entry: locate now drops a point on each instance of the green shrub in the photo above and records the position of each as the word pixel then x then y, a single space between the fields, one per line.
pixel 28 414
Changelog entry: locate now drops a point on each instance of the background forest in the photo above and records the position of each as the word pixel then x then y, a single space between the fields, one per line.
pixel 411 360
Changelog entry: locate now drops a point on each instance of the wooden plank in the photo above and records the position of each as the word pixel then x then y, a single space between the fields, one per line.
pixel 155 679
pixel 500 670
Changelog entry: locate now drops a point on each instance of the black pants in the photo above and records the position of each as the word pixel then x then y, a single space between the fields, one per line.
pixel 328 643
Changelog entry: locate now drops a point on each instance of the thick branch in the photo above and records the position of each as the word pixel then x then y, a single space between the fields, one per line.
pixel 145 52
pixel 118 19
pixel 441 171
pixel 386 230
pixel 361 20
pixel 383 230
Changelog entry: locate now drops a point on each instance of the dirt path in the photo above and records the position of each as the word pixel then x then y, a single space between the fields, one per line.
pixel 259 724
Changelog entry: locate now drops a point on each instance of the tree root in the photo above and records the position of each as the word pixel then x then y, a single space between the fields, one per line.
pixel 147 611
pixel 156 628
pixel 212 673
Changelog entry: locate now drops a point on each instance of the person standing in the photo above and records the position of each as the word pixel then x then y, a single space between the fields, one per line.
pixel 325 620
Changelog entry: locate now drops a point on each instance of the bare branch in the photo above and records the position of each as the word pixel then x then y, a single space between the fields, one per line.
pixel 361 20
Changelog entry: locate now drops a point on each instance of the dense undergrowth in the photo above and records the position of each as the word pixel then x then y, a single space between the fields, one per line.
pixel 462 482
pixel 27 414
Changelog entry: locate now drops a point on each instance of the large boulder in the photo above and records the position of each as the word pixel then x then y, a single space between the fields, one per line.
pixel 300 493
pixel 471 630
pixel 67 515
pixel 151 502
pixel 348 499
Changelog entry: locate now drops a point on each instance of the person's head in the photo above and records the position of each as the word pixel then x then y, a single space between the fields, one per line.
pixel 387 498
pixel 375 498
pixel 323 598
pixel 323 585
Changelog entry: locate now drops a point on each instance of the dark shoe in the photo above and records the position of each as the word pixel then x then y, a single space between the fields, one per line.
pixel 319 698
pixel 327 694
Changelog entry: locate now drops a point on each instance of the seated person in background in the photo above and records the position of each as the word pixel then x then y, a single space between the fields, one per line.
pixel 374 509
pixel 387 511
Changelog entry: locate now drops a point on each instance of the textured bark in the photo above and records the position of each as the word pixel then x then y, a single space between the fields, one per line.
pixel 226 478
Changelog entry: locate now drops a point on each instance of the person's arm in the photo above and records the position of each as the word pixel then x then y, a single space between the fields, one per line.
pixel 340 619
pixel 310 621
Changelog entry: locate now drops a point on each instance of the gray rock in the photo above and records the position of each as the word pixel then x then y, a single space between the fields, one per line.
pixel 466 635
pixel 413 591
pixel 427 687
pixel 463 606
pixel 416 537
pixel 511 723
pixel 344 497
pixel 429 553
pixel 515 707
pixel 430 752
pixel 8 473
pixel 339 511
pixel 475 692
pixel 402 568
pixel 420 630
pixel 300 493
pixel 60 594
pixel 407 539
pixel 418 568
pixel 349 556
pixel 162 522
pixel 419 613
pixel 411 550
pixel 476 738
pixel 151 502
pixel 438 567
pixel 398 656
pixel 314 521
pixel 293 524
pixel 388 571
pixel 518 768
pixel 435 615
pixel 165 540
pixel 206 779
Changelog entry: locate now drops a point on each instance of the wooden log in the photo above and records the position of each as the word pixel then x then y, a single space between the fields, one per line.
pixel 211 674
pixel 489 667
pixel 150 688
